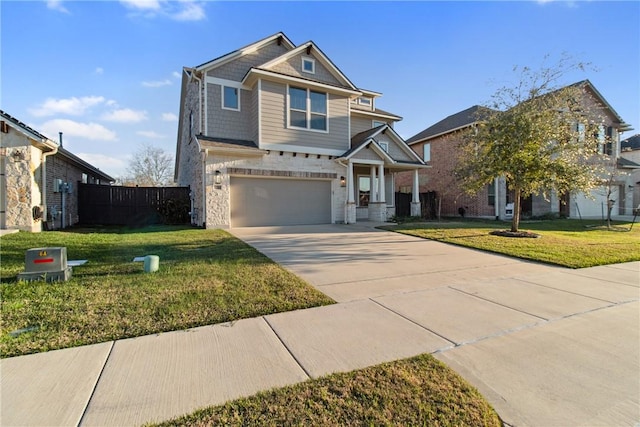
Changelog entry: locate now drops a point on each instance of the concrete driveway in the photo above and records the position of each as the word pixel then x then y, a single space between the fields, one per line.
pixel 547 346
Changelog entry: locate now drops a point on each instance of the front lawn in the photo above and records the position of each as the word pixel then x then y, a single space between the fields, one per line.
pixel 568 243
pixel 420 391
pixel 205 277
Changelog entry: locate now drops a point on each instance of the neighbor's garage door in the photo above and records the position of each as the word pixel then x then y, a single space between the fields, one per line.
pixel 266 201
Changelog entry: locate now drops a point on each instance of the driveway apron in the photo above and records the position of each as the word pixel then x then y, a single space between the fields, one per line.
pixel 545 345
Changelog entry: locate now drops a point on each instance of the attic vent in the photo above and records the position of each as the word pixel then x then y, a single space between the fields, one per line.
pixel 279 40
pixel 308 49
pixel 4 127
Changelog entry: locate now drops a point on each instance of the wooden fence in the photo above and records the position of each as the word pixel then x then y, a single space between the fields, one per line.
pixel 132 206
pixel 428 202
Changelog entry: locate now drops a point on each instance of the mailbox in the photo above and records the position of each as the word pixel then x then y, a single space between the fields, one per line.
pixel 49 264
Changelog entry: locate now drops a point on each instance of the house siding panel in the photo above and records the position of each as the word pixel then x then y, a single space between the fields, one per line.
pixel 366 154
pixel 236 69
pixel 395 152
pixel 360 124
pixel 274 121
pixel 223 123
pixel 293 67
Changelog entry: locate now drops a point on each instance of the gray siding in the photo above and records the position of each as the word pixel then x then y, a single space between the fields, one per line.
pixel 367 154
pixel 273 110
pixel 255 126
pixel 236 69
pixel 395 151
pixel 359 124
pixel 228 123
pixel 293 67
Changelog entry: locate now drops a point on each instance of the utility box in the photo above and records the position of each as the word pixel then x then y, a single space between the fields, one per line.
pixel 49 264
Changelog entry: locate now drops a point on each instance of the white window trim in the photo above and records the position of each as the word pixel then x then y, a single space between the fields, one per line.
pixel 222 87
pixel 368 102
pixel 313 65
pixel 308 111
pixel 376 123
pixel 384 145
pixel 388 178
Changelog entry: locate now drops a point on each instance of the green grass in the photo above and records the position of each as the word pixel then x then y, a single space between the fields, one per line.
pixel 205 277
pixel 568 243
pixel 410 392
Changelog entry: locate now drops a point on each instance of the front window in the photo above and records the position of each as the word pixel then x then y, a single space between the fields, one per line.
pixel 491 194
pixel 230 98
pixel 307 109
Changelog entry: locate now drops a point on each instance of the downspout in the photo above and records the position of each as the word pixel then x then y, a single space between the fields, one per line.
pixel 204 187
pixel 44 178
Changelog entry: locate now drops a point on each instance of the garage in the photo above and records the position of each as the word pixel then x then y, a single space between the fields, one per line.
pixel 259 202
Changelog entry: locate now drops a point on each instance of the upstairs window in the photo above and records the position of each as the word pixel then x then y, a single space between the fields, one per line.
pixel 376 123
pixel 308 65
pixel 364 101
pixel 230 98
pixel 491 193
pixel 384 146
pixel 307 109
pixel 426 153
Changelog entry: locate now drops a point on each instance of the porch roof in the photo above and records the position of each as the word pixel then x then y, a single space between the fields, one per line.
pixel 230 146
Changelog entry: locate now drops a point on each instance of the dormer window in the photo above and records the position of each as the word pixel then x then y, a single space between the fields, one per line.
pixel 308 65
pixel 384 146
pixel 364 101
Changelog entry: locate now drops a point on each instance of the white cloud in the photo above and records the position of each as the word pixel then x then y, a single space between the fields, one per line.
pixel 190 11
pixel 92 131
pixel 99 70
pixel 56 5
pixel 110 165
pixel 176 74
pixel 169 117
pixel 157 83
pixel 150 134
pixel 181 10
pixel 72 106
pixel 125 115
pixel 141 4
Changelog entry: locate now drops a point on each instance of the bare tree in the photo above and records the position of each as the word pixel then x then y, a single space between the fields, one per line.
pixel 151 167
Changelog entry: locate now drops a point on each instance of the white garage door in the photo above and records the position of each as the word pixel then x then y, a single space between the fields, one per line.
pixel 264 201
pixel 596 208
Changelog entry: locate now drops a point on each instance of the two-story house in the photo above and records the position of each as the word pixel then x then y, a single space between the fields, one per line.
pixel 276 134
pixel 439 146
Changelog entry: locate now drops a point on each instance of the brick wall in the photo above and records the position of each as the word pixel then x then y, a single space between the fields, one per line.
pixel 440 178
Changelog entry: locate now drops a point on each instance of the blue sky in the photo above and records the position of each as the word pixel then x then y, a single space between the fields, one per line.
pixel 107 73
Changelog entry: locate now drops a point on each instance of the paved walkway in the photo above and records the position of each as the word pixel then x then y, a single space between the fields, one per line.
pixel 547 346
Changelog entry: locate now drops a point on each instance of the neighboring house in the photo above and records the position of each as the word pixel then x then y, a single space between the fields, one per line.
pixel 630 156
pixel 39 178
pixel 438 145
pixel 276 134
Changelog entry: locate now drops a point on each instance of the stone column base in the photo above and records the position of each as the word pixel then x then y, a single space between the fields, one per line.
pixel 378 211
pixel 350 214
pixel 416 209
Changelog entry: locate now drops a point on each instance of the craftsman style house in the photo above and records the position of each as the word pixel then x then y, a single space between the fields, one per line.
pixel 39 179
pixel 276 134
pixel 438 146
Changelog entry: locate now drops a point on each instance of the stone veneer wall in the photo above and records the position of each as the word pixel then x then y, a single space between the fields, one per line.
pixel 219 199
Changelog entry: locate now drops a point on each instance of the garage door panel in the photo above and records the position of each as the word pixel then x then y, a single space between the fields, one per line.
pixel 262 202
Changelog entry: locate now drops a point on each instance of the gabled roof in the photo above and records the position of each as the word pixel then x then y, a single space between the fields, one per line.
pixel 226 145
pixel 50 145
pixel 311 48
pixel 377 113
pixel 452 123
pixel 623 163
pixel 279 37
pixel 632 143
pixel 586 83
pixel 40 139
pixel 362 139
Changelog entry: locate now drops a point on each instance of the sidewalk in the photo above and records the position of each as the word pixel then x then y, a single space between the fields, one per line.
pixel 544 345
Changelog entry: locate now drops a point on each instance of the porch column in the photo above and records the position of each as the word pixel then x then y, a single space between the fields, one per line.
pixel 381 189
pixel 350 207
pixel 416 209
pixel 373 195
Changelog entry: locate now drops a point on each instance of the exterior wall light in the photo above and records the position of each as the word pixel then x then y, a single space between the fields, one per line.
pixel 343 182
pixel 217 179
pixel 17 155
